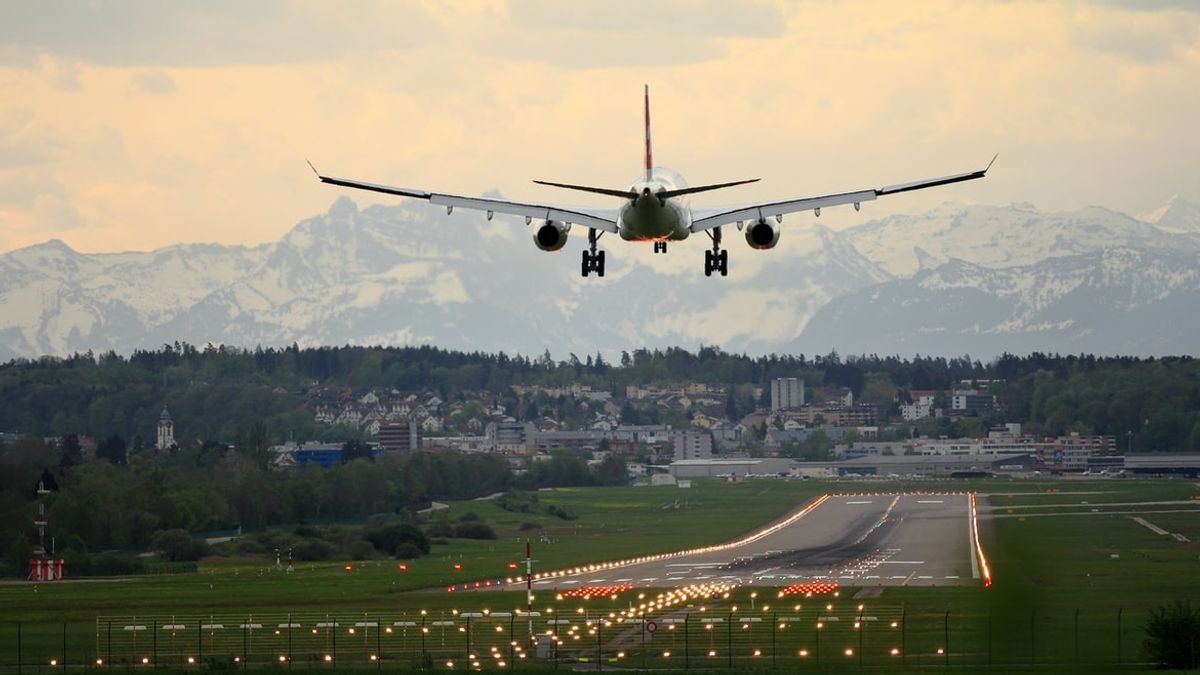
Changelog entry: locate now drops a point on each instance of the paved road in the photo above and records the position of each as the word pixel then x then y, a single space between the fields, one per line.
pixel 873 540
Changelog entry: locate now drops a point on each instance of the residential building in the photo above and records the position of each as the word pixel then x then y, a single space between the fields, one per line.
pixel 693 445
pixel 400 436
pixel 971 402
pixel 787 392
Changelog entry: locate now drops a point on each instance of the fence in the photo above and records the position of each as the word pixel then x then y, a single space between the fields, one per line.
pixel 818 635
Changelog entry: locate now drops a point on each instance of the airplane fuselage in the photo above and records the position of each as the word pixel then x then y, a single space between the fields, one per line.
pixel 648 218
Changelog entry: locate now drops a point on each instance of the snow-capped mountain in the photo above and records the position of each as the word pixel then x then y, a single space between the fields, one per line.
pixel 979 279
pixel 1001 236
pixel 1177 215
pixel 1115 301
pixel 409 274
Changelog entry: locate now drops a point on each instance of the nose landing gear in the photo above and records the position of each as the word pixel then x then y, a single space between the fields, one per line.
pixel 660 247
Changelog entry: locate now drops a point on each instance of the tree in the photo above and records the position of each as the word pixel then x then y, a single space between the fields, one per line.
pixel 72 453
pixel 113 450
pixel 1173 636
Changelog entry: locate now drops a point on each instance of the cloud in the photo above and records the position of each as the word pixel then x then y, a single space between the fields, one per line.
pixel 153 82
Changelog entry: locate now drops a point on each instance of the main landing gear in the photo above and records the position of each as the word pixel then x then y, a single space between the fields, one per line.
pixel 593 260
pixel 660 247
pixel 716 260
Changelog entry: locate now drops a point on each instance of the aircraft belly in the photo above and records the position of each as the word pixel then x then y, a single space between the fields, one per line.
pixel 651 223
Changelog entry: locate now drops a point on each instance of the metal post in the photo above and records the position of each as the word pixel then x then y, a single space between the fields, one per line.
pixel 64 658
pixel 335 632
pixel 1032 636
pixel 108 659
pixel 989 638
pixel 245 626
pixel 599 632
pixel 817 636
pixel 903 636
pixel 423 638
pixel 774 627
pixel 729 639
pixel 686 653
pixel 469 659
pixel 643 642
pixel 18 648
pixel 154 640
pixel 512 637
pixel 1076 635
pixel 199 640
pixel 379 644
pixel 946 634
pixel 862 628
pixel 289 655
pixel 1119 610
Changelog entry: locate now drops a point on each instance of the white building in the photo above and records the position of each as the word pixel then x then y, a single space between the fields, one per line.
pixel 166 431
pixel 787 392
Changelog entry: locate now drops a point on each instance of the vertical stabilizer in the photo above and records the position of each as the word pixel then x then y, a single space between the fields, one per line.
pixel 649 159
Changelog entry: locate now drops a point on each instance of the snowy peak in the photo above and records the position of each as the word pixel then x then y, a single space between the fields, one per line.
pixel 1178 215
pixel 1003 236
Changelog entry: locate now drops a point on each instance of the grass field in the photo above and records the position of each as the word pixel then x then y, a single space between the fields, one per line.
pixel 1046 569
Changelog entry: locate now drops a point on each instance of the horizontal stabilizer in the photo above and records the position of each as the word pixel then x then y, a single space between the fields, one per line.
pixel 662 194
pixel 667 194
pixel 624 194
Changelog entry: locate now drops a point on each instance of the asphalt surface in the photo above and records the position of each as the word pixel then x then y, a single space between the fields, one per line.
pixel 866 540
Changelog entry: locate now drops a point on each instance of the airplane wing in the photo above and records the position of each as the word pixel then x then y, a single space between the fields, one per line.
pixel 709 218
pixel 598 218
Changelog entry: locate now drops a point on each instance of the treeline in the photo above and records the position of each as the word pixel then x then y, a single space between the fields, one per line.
pixel 100 505
pixel 220 393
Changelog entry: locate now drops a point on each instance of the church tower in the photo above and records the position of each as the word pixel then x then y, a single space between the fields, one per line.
pixel 166 431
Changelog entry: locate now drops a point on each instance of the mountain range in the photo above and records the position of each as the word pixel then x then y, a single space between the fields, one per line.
pixel 978 280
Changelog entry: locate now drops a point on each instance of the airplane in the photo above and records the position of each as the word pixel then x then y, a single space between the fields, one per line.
pixel 654 209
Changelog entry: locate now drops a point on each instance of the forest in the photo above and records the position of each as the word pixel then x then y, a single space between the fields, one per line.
pixel 1151 404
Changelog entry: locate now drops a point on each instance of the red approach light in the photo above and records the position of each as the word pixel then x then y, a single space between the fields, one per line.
pixel 512 566
pixel 403 567
pixel 589 592
pixel 457 566
pixel 809 588
pixel 349 568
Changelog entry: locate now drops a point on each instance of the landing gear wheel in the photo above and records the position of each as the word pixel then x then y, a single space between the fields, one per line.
pixel 716 260
pixel 593 260
pixel 660 247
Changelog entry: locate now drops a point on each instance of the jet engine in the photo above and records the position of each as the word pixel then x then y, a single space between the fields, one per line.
pixel 762 235
pixel 551 236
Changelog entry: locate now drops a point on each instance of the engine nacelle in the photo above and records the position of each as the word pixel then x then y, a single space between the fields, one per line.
pixel 762 235
pixel 551 236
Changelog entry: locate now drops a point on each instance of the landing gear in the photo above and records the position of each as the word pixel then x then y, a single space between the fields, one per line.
pixel 593 260
pixel 660 247
pixel 716 260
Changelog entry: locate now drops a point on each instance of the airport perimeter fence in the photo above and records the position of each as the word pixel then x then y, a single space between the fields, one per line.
pixel 816 636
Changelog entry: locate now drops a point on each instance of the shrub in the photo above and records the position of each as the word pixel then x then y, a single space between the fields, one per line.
pixel 406 551
pixel 527 526
pixel 314 549
pixel 388 537
pixel 176 545
pixel 469 517
pixel 361 550
pixel 474 531
pixel 1173 636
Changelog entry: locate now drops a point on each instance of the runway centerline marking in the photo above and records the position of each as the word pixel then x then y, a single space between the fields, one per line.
pixel 866 502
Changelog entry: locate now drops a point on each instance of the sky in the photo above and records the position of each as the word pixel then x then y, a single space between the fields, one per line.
pixel 139 124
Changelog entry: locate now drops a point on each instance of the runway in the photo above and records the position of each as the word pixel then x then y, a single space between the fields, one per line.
pixel 854 540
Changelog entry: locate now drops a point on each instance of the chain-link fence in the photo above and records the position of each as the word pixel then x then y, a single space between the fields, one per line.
pixel 820 634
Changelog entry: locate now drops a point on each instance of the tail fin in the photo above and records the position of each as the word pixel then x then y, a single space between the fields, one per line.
pixel 649 159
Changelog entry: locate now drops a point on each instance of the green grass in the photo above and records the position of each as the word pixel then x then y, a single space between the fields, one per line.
pixel 1045 569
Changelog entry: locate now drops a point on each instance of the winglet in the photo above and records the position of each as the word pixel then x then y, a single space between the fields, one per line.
pixel 989 166
pixel 314 169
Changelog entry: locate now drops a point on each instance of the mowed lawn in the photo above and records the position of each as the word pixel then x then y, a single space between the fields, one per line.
pixel 1045 567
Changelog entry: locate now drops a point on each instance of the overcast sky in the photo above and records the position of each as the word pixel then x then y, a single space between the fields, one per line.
pixel 138 124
